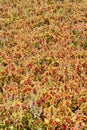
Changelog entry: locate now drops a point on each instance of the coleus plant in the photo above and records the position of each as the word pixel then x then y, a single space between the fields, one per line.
pixel 43 65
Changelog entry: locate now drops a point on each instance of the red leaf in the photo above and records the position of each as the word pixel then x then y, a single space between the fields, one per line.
pixel 39 102
pixel 34 91
pixel 65 87
pixel 29 66
pixel 63 127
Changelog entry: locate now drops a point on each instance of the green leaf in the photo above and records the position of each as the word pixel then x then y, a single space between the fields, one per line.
pixel 48 38
pixel 0 59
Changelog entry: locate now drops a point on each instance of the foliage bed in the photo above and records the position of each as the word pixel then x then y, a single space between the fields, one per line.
pixel 43 65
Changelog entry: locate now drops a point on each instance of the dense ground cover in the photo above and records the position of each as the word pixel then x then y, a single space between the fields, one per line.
pixel 43 65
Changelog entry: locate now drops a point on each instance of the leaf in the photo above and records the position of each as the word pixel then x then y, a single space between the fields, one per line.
pixel 57 119
pixel 46 121
pixel 49 38
pixel 0 59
